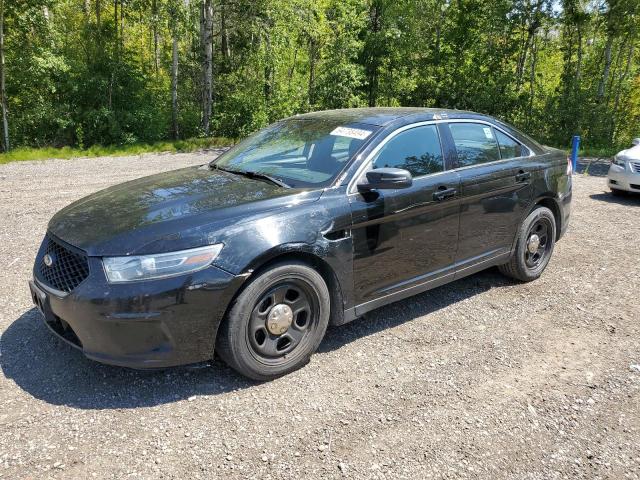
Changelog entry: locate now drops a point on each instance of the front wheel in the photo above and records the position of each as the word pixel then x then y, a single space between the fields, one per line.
pixel 276 323
pixel 536 240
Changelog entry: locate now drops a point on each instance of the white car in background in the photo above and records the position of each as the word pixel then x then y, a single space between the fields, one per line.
pixel 624 172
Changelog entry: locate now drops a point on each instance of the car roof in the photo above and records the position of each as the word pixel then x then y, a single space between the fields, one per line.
pixel 382 116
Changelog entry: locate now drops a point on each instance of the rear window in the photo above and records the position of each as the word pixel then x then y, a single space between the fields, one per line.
pixel 475 143
pixel 509 148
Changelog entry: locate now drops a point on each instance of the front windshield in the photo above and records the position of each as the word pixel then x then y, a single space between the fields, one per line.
pixel 299 152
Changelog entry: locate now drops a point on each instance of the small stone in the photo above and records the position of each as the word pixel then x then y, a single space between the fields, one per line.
pixel 322 448
pixel 229 458
pixel 191 398
pixel 264 458
pixel 342 466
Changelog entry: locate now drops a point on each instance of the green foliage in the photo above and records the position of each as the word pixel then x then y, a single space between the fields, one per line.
pixel 179 146
pixel 554 69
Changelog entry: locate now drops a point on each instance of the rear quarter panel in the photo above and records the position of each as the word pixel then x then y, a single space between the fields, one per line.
pixel 550 180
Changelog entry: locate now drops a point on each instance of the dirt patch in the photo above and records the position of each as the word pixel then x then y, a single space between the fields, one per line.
pixel 482 378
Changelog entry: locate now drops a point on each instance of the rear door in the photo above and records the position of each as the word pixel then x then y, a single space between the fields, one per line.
pixel 495 189
pixel 405 238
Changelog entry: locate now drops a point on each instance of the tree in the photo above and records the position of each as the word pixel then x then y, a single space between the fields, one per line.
pixel 206 35
pixel 3 93
pixel 74 76
pixel 176 18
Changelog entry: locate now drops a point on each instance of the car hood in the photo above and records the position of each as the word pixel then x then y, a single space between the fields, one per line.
pixel 169 211
pixel 632 153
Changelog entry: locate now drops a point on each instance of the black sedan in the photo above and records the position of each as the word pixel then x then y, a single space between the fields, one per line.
pixel 312 221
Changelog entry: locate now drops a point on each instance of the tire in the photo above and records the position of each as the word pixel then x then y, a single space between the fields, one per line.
pixel 617 192
pixel 528 262
pixel 276 323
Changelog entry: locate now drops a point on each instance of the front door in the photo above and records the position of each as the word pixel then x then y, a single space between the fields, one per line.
pixel 406 238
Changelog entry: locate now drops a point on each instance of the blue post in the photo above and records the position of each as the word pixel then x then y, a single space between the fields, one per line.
pixel 575 146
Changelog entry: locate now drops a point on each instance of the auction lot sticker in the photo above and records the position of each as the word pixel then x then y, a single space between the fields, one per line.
pixel 358 133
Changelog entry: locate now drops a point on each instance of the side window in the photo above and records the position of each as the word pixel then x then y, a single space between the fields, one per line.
pixel 416 150
pixel 509 148
pixel 475 143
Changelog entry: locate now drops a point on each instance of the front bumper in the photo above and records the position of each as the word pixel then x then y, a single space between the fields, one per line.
pixel 150 324
pixel 622 179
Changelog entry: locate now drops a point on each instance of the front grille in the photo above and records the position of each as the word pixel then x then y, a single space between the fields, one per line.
pixel 635 166
pixel 68 268
pixel 633 185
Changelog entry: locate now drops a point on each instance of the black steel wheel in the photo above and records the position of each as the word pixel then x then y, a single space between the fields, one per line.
pixel 276 323
pixel 283 319
pixel 534 246
pixel 538 242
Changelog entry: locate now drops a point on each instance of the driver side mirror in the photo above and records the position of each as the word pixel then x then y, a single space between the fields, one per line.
pixel 386 178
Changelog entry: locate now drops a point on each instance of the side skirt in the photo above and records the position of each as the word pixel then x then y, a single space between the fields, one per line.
pixel 359 310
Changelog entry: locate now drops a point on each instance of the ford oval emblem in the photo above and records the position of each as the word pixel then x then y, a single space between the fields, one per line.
pixel 48 260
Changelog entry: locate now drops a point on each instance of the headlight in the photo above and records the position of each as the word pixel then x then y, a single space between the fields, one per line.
pixel 161 265
pixel 619 161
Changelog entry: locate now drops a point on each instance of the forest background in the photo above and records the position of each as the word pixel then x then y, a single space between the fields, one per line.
pixel 108 74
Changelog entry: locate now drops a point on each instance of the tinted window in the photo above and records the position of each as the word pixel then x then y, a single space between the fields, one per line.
pixel 416 150
pixel 475 143
pixel 509 148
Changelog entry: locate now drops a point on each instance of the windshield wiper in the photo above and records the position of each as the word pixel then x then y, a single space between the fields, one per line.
pixel 250 174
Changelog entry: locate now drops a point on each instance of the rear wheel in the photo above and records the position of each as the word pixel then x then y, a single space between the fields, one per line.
pixel 276 323
pixel 534 247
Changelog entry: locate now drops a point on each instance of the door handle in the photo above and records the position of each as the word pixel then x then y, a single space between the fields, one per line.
pixel 523 176
pixel 444 193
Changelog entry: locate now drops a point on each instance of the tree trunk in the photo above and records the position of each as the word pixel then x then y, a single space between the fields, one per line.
pixel 98 19
pixel 3 93
pixel 207 67
pixel 532 81
pixel 156 56
pixel 174 87
pixel 373 60
pixel 532 30
pixel 441 7
pixel 607 67
pixel 579 60
pixel 619 92
pixel 268 69
pixel 115 22
pixel 224 43
pixel 313 56
pixel 121 25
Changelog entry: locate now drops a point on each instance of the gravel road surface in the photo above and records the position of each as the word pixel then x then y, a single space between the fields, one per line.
pixel 483 378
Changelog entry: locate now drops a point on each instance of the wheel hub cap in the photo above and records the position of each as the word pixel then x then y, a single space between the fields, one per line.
pixel 279 319
pixel 533 244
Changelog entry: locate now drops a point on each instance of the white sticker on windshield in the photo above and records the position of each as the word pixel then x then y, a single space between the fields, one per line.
pixel 351 132
pixel 487 133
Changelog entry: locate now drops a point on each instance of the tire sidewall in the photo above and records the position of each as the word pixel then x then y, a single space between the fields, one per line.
pixel 538 213
pixel 243 359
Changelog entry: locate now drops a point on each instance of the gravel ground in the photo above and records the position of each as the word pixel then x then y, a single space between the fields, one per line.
pixel 483 378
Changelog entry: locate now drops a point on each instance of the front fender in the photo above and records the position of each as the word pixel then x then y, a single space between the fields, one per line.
pixel 320 230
